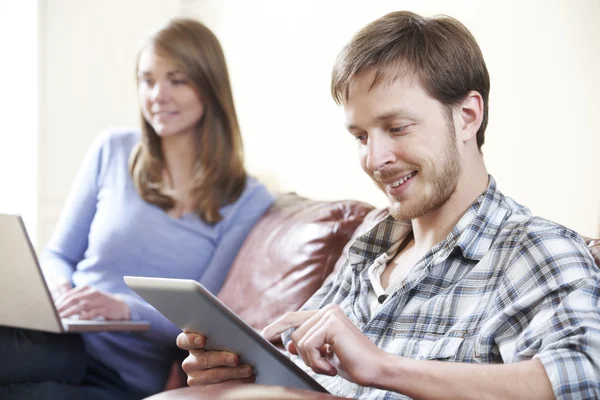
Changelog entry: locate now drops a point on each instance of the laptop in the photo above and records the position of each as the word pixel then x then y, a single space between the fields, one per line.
pixel 25 299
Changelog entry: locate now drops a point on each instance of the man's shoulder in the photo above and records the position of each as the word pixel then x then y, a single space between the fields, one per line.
pixel 517 226
pixel 523 228
pixel 542 249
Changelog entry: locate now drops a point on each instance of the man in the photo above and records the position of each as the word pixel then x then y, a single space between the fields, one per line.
pixel 457 272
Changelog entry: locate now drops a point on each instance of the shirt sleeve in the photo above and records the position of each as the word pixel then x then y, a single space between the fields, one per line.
pixel 69 240
pixel 547 308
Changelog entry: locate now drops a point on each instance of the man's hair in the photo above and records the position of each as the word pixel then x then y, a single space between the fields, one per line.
pixel 440 51
pixel 219 174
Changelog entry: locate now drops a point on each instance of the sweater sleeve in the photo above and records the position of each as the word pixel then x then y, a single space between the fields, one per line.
pixel 162 330
pixel 69 240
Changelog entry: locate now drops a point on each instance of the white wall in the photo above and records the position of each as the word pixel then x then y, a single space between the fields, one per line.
pixel 88 84
pixel 543 140
pixel 543 134
pixel 19 111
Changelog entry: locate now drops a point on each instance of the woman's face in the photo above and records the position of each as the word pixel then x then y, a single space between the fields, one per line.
pixel 167 99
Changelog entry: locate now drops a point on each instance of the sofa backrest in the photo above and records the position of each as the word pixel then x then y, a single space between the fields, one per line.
pixel 287 256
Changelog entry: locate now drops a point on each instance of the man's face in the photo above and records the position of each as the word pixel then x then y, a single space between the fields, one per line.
pixel 406 143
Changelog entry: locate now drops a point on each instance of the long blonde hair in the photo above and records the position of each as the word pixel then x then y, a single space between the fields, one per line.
pixel 219 174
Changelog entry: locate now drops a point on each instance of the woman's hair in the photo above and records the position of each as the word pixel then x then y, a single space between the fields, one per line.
pixel 440 51
pixel 219 174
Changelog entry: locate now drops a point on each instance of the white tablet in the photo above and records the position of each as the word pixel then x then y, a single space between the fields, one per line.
pixel 193 308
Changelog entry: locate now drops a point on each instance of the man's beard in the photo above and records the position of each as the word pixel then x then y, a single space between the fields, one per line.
pixel 444 179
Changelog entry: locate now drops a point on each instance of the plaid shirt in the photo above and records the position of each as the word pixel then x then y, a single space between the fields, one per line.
pixel 502 287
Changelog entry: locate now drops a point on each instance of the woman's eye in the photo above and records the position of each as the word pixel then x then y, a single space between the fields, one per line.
pixel 176 82
pixel 397 129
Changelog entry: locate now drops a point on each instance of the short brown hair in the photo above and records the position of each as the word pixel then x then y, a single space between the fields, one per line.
pixel 440 51
pixel 219 174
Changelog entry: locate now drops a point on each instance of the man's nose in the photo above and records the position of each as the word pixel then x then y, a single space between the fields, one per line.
pixel 379 153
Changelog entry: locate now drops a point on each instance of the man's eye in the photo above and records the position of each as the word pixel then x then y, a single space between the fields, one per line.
pixel 397 129
pixel 361 138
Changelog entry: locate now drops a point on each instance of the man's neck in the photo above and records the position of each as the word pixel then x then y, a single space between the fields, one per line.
pixel 435 226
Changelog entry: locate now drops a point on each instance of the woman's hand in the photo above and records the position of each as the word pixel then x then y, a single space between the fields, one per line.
pixel 58 287
pixel 89 303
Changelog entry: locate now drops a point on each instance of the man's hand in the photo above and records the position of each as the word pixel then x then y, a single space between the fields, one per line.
pixel 285 322
pixel 90 303
pixel 205 367
pixel 329 343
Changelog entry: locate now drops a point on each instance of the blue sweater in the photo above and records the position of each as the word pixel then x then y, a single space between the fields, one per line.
pixel 107 231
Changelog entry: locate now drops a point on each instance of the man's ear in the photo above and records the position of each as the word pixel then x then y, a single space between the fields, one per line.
pixel 471 115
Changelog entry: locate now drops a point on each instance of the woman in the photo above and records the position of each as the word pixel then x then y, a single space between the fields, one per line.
pixel 172 201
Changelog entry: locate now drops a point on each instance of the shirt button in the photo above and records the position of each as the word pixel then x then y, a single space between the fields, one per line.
pixel 382 298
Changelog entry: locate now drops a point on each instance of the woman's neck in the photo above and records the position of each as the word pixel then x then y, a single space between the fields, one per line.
pixel 179 154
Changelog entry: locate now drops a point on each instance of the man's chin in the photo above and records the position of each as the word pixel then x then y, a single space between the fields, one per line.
pixel 406 211
pixel 398 212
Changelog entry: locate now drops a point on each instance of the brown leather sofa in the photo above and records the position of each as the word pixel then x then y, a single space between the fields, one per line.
pixel 284 260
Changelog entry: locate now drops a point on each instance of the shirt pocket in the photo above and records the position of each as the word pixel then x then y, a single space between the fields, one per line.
pixel 446 348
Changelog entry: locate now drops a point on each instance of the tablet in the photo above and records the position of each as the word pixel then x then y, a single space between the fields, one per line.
pixel 193 308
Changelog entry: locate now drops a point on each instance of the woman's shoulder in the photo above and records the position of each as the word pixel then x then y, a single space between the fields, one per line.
pixel 110 151
pixel 257 190
pixel 115 139
pixel 255 199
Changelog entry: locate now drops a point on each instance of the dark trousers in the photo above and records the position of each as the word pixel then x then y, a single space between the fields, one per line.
pixel 40 365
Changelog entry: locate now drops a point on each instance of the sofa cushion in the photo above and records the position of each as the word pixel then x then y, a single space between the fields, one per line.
pixel 287 255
